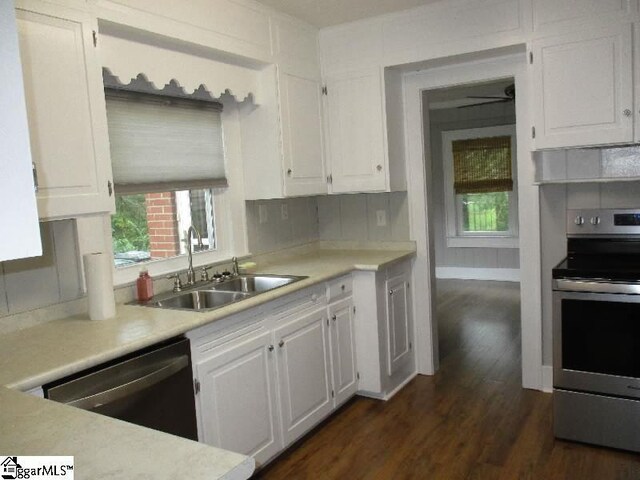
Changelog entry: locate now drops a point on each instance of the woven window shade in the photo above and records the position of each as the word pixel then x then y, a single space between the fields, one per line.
pixel 482 165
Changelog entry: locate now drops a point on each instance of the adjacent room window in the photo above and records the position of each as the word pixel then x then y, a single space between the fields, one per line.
pixel 168 165
pixel 480 187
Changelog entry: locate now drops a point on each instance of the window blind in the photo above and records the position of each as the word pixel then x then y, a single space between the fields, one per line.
pixel 482 165
pixel 161 144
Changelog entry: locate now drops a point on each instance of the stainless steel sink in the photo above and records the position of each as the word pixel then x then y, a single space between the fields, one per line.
pixel 200 300
pixel 255 283
pixel 211 295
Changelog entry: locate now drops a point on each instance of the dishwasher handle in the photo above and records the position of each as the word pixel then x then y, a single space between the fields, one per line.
pixel 108 396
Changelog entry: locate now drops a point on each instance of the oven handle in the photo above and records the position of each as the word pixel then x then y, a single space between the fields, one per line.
pixel 108 396
pixel 594 286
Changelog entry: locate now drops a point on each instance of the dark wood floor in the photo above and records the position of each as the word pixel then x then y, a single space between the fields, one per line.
pixel 472 420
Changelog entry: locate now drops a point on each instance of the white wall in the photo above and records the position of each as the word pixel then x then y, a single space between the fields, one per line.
pixel 457 119
pixel 354 217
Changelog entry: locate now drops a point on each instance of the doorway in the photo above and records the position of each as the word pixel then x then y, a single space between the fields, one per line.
pixel 472 155
pixel 485 71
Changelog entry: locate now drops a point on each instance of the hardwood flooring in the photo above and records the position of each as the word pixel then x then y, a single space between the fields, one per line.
pixel 470 421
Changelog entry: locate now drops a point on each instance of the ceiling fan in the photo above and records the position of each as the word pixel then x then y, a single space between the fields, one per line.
pixel 509 96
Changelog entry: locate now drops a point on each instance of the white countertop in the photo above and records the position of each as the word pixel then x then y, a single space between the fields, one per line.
pixel 50 351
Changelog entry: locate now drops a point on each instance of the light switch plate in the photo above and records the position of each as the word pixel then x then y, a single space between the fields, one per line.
pixel 381 218
pixel 262 214
pixel 284 210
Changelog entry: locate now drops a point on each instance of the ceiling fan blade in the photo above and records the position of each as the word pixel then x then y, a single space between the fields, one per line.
pixel 502 100
pixel 494 97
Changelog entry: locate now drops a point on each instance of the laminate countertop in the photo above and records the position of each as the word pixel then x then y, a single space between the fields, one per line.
pixel 106 447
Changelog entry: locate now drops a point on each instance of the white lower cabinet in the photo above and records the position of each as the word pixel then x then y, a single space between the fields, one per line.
pixel 303 361
pixel 343 350
pixel 384 330
pixel 266 377
pixel 237 398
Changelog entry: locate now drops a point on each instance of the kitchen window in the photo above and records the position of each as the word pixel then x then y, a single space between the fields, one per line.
pixel 480 187
pixel 168 163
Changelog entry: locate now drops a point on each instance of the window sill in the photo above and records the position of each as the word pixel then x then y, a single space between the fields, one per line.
pixel 482 242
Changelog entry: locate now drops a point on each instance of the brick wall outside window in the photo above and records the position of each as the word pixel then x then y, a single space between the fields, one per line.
pixel 162 224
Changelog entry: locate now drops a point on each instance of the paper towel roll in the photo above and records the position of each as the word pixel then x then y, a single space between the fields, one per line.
pixel 98 273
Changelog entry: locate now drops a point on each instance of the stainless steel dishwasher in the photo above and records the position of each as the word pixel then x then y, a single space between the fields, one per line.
pixel 152 388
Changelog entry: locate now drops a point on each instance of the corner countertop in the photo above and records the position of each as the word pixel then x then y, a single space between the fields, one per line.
pixel 40 354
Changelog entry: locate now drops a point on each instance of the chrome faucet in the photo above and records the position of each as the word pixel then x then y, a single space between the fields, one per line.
pixel 236 270
pixel 191 275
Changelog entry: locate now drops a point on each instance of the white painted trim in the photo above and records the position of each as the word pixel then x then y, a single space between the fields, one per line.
pixel 528 202
pixel 386 396
pixel 463 273
pixel 547 378
pixel 476 241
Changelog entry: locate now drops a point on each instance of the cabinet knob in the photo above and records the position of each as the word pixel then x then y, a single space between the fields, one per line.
pixel 289 172
pixel 379 168
pixel 334 318
pixel 342 287
pixel 281 343
pixel 390 292
pixel 627 112
pixel 271 347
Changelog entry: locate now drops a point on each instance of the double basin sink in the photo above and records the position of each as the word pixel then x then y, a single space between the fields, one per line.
pixel 215 295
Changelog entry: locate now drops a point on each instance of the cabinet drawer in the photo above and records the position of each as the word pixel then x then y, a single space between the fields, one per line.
pixel 296 302
pixel 339 288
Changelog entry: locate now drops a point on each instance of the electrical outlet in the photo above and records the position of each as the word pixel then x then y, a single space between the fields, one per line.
pixel 381 218
pixel 262 213
pixel 284 211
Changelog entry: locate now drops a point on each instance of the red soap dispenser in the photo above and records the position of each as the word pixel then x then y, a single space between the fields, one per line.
pixel 144 286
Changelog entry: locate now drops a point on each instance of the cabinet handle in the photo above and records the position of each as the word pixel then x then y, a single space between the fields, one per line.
pixel 289 172
pixel 36 186
pixel 271 347
pixel 281 343
pixel 334 318
pixel 627 112
pixel 390 292
pixel 379 168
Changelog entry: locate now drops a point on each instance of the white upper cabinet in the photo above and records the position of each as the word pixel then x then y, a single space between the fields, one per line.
pixel 18 214
pixel 555 16
pixel 65 107
pixel 583 88
pixel 356 131
pixel 301 116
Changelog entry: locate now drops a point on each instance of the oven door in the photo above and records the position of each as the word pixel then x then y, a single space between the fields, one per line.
pixel 596 341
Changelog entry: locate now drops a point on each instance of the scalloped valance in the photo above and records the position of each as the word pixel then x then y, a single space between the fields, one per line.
pixel 184 74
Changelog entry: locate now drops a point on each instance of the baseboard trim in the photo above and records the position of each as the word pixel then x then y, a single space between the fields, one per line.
pixel 386 396
pixel 464 273
pixel 547 378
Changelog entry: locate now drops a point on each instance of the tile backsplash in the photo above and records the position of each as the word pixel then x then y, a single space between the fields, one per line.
pixel 374 217
pixel 282 223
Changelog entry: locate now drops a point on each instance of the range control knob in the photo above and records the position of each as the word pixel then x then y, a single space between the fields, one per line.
pixel 579 220
pixel 595 220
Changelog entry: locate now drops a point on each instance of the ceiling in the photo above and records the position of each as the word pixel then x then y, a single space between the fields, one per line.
pixel 452 97
pixel 325 13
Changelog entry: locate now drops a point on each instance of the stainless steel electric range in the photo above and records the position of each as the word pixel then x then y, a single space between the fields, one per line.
pixel 596 330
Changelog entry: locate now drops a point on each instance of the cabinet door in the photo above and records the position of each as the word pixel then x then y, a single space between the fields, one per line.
pixel 399 328
pixel 65 107
pixel 343 351
pixel 18 215
pixel 583 88
pixel 303 361
pixel 237 400
pixel 300 107
pixel 357 157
